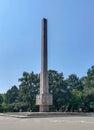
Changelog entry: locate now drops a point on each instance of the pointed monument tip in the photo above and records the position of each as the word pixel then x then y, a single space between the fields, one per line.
pixel 44 19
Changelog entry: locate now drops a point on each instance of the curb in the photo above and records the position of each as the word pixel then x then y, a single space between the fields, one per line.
pixel 44 114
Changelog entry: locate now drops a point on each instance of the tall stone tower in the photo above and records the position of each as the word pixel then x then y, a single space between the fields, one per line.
pixel 44 99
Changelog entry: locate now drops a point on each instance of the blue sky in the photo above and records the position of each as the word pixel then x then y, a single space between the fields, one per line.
pixel 70 37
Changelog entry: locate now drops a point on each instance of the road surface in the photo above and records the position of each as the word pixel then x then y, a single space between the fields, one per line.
pixel 52 123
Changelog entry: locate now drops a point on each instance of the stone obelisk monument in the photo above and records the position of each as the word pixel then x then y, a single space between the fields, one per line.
pixel 44 99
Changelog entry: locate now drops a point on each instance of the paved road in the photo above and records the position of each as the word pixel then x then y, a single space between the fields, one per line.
pixel 54 123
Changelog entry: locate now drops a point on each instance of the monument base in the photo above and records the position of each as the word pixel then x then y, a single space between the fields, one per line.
pixel 44 108
pixel 44 100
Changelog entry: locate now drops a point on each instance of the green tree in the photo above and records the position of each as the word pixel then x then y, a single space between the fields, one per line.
pixel 73 82
pixel 1 99
pixel 74 86
pixel 57 88
pixel 28 89
pixel 76 100
pixel 69 94
pixel 12 95
pixel 88 92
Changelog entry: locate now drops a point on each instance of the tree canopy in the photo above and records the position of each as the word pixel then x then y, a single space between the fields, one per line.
pixel 71 94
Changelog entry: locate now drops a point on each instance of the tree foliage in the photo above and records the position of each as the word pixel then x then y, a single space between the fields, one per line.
pixel 71 94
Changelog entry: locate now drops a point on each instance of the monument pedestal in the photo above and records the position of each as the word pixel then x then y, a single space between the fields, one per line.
pixel 44 100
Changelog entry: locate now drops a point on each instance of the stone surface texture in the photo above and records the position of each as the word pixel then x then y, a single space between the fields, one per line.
pixel 44 99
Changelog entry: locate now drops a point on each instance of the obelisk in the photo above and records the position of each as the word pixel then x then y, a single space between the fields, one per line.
pixel 44 99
